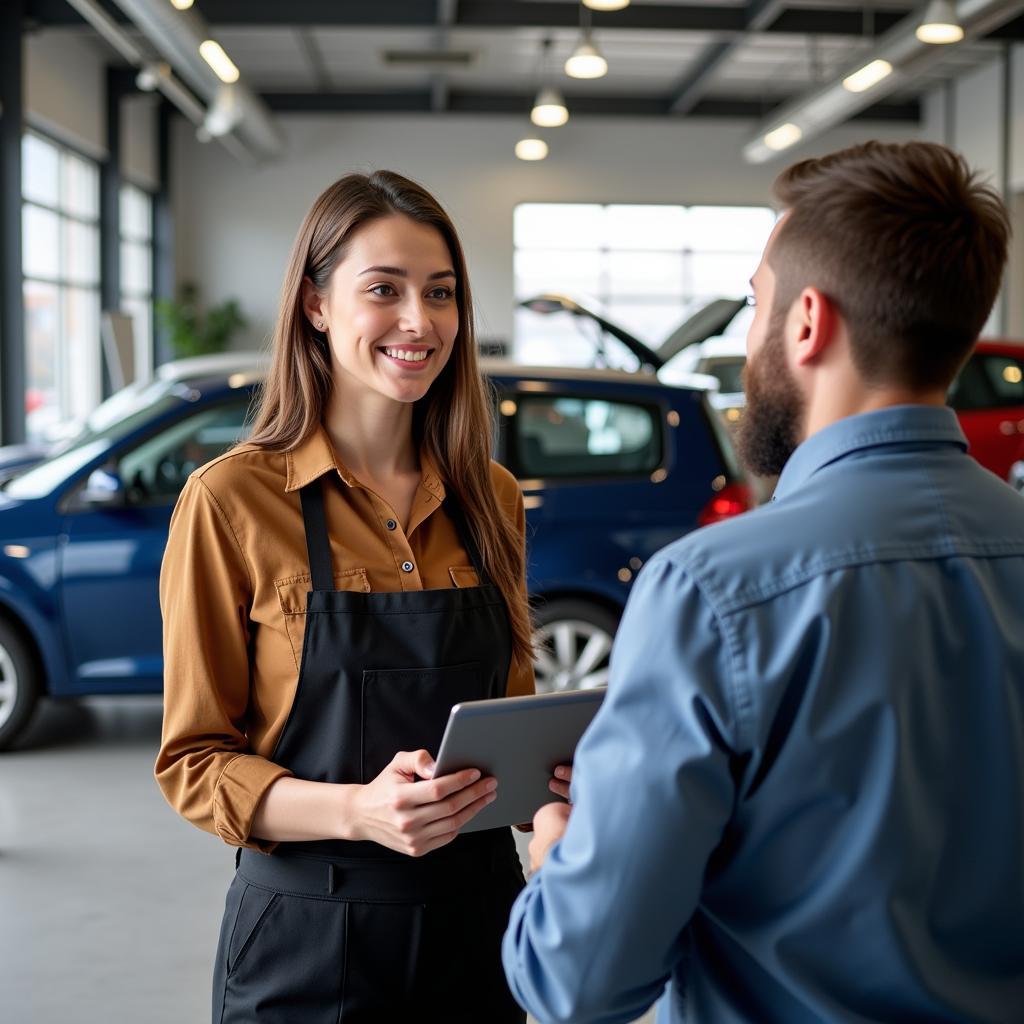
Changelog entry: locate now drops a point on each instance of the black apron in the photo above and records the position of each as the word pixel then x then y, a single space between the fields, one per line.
pixel 336 931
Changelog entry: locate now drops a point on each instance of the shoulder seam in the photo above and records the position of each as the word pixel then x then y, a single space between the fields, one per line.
pixel 227 522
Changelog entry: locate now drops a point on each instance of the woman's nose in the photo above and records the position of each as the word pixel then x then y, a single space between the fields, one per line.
pixel 414 317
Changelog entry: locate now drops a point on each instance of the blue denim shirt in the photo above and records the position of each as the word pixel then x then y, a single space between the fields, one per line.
pixel 803 797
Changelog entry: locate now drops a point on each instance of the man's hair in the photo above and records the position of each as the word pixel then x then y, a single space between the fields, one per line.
pixel 908 245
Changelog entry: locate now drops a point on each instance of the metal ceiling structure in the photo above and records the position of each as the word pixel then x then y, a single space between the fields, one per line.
pixel 731 60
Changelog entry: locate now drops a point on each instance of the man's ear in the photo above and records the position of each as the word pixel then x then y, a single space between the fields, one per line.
pixel 816 325
pixel 312 302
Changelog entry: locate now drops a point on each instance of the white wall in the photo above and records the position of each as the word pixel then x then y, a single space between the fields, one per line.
pixel 987 126
pixel 235 225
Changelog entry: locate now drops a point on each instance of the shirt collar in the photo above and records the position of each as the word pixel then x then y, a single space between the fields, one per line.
pixel 898 424
pixel 316 456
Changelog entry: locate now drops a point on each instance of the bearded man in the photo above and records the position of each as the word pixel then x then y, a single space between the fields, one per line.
pixel 803 797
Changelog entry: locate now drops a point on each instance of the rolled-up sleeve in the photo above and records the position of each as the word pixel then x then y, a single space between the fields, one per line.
pixel 205 769
pixel 597 932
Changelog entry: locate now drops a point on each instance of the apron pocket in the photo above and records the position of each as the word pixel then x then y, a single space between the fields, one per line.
pixel 407 709
pixel 253 910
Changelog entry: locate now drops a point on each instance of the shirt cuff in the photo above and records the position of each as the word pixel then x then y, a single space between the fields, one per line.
pixel 240 789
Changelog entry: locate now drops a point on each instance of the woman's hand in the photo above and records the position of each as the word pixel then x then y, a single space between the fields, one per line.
pixel 414 817
pixel 559 785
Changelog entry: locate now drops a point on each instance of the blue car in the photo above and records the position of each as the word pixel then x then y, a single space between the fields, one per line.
pixel 613 466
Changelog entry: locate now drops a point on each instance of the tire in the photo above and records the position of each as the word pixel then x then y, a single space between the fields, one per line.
pixel 19 684
pixel 573 641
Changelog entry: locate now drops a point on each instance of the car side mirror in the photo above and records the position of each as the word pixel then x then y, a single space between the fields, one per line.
pixel 103 489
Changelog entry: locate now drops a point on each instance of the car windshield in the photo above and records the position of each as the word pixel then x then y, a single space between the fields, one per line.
pixel 117 417
pixel 729 372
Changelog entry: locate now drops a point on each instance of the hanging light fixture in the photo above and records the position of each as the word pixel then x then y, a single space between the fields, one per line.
pixel 869 75
pixel 940 24
pixel 531 148
pixel 549 109
pixel 606 5
pixel 586 60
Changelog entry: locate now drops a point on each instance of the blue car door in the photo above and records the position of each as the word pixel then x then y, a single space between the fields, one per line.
pixel 110 558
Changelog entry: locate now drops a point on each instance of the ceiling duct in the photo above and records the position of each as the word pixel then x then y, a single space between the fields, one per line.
pixel 177 36
pixel 830 105
pixel 453 59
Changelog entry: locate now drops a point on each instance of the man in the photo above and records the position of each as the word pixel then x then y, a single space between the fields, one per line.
pixel 803 797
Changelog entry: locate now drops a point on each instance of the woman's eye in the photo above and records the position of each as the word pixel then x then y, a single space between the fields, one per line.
pixel 441 294
pixel 384 290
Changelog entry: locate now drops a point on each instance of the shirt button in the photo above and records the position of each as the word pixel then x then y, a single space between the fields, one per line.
pixel 407 567
pixel 391 524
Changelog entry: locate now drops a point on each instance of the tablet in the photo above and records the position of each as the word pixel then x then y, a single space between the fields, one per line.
pixel 520 741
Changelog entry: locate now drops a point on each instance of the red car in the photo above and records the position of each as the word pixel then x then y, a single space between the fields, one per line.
pixel 988 397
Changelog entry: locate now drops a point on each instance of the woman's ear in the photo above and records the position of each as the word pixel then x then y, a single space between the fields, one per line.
pixel 312 305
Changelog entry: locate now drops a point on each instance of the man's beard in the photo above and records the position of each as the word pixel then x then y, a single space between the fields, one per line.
pixel 769 431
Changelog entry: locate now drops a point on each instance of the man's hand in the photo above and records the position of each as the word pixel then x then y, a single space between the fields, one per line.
pixel 549 825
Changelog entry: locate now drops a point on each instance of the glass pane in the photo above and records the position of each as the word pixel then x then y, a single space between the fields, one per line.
pixel 136 268
pixel 40 242
pixel 575 273
pixel 82 252
pixel 651 322
pixel 81 352
pixel 40 170
pixel 721 275
pixel 136 206
pixel 729 228
pixel 156 471
pixel 42 328
pixel 558 225
pixel 558 437
pixel 645 227
pixel 81 187
pixel 645 274
pixel 140 310
pixel 555 339
pixel 1007 378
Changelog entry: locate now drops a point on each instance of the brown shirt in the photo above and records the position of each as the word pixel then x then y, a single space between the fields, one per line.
pixel 233 594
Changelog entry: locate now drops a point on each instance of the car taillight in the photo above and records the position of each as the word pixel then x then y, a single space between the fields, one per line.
pixel 730 501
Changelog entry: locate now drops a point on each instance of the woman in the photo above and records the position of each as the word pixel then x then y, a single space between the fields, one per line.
pixel 330 589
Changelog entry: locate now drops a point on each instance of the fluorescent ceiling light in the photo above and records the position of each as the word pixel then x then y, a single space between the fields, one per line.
pixel 586 62
pixel 531 149
pixel 182 5
pixel 869 75
pixel 549 110
pixel 783 137
pixel 606 5
pixel 940 24
pixel 213 53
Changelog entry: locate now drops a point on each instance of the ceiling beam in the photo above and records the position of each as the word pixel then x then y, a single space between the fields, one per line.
pixel 420 101
pixel 547 14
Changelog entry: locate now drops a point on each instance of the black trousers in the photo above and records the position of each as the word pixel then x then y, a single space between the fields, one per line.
pixel 307 942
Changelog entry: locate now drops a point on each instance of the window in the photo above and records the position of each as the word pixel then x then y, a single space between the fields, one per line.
pixel 61 268
pixel 584 437
pixel 155 471
pixel 646 268
pixel 988 382
pixel 1006 376
pixel 136 216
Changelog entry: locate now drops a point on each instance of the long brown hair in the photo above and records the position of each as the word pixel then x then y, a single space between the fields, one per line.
pixel 452 422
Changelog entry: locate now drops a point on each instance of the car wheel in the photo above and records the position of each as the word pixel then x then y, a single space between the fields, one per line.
pixel 573 642
pixel 19 684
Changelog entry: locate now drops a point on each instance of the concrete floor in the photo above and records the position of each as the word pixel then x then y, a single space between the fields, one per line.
pixel 110 904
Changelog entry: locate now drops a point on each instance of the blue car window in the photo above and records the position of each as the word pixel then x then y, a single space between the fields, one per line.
pixel 155 471
pixel 581 437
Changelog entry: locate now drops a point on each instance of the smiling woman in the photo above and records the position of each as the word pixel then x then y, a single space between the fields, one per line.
pixel 330 589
